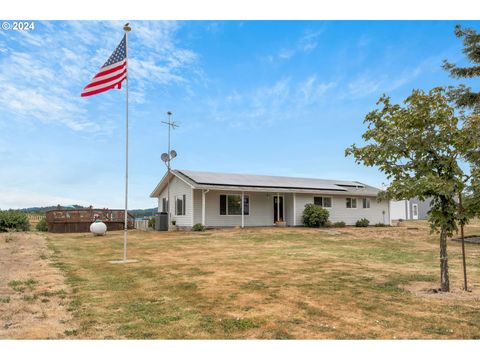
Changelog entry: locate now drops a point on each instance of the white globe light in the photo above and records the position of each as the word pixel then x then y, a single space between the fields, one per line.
pixel 98 228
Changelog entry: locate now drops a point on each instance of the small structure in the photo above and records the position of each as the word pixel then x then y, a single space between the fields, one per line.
pixel 79 220
pixel 411 209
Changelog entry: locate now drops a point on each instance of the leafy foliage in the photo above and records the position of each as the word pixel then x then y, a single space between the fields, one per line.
pixel 420 147
pixel 339 224
pixel 198 227
pixel 315 216
pixel 363 222
pixel 13 220
pixel 42 225
pixel 151 223
pixel 463 96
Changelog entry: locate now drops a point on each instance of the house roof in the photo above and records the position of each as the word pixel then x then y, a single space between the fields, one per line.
pixel 229 181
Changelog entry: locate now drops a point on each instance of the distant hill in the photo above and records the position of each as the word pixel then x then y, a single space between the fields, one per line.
pixel 138 213
pixel 42 209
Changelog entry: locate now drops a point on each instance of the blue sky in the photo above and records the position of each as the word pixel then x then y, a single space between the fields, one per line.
pixel 261 97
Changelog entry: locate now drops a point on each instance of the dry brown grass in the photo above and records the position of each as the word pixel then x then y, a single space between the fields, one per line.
pixel 269 283
pixel 33 295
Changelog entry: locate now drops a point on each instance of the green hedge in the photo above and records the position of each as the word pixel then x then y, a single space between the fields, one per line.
pixel 42 225
pixel 362 222
pixel 198 227
pixel 315 216
pixel 339 224
pixel 13 220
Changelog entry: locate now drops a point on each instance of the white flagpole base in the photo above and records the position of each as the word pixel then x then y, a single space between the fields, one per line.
pixel 123 261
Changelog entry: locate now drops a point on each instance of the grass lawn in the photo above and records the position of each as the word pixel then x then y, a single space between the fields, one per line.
pixel 349 283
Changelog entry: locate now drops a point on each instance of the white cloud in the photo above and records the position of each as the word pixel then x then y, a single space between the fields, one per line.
pixel 269 104
pixel 311 91
pixel 21 198
pixel 305 44
pixel 369 83
pixel 364 85
pixel 309 41
pixel 42 79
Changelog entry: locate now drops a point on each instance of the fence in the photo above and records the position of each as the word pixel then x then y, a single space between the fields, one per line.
pixel 141 224
pixel 79 220
pixel 34 219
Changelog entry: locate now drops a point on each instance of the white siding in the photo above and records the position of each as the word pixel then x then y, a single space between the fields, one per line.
pixel 289 209
pixel 398 209
pixel 340 212
pixel 197 206
pixel 261 209
pixel 179 188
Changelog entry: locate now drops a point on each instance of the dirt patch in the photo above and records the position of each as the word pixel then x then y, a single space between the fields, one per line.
pixel 33 295
pixel 431 290
pixel 473 239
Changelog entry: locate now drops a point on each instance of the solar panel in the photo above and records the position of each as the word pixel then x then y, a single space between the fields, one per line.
pixel 213 178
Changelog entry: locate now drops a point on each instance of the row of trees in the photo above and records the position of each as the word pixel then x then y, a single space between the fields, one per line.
pixel 429 147
pixel 15 220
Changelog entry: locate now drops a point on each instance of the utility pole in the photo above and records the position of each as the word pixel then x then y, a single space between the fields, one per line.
pixel 167 157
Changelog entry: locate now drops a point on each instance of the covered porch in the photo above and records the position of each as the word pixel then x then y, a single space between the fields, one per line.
pixel 226 208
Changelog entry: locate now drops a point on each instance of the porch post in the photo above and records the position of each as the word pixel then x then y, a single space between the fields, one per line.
pixel 203 207
pixel 243 208
pixel 278 206
pixel 294 210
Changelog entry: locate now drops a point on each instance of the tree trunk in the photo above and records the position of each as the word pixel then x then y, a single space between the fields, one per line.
pixel 465 287
pixel 444 280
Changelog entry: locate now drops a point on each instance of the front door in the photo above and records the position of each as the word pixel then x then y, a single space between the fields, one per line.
pixel 415 212
pixel 278 208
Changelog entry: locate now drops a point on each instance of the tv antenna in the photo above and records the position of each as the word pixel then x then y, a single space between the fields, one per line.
pixel 168 156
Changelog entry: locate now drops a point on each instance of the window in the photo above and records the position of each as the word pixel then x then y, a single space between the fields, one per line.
pixel 180 205
pixel 366 203
pixel 164 205
pixel 351 203
pixel 325 202
pixel 232 205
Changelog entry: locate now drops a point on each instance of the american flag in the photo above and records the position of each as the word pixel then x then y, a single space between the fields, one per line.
pixel 112 73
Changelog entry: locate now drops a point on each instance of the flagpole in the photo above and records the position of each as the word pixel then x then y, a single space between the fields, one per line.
pixel 127 29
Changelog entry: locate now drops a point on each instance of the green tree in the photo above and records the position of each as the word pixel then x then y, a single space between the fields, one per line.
pixel 468 102
pixel 422 147
pixel 463 96
pixel 42 225
pixel 13 220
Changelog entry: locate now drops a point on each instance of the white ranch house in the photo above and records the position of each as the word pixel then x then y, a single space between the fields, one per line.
pixel 224 200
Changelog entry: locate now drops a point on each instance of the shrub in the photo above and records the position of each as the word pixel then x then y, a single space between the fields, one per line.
pixel 362 223
pixel 198 227
pixel 314 216
pixel 151 223
pixel 42 225
pixel 13 220
pixel 339 224
pixel 380 225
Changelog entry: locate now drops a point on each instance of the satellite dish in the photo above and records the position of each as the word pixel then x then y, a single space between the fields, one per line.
pixel 173 154
pixel 164 157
